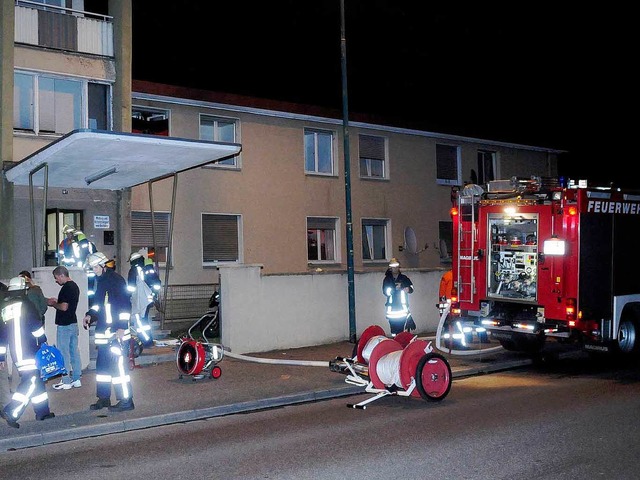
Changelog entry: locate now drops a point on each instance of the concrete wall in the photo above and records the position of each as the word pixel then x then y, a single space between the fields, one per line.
pixel 269 312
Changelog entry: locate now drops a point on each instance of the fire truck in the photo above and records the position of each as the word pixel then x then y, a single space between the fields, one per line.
pixel 535 260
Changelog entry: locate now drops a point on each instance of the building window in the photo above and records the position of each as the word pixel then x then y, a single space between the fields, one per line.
pixel 372 156
pixel 374 239
pixel 142 233
pixel 318 152
pixel 486 167
pixel 220 238
pixel 151 121
pixel 448 165
pixel 321 239
pixel 445 244
pixel 216 129
pixel 48 104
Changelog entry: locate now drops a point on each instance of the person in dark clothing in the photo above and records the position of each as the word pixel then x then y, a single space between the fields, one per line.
pixel 21 329
pixel 111 312
pixel 143 284
pixel 34 293
pixel 396 287
pixel 67 327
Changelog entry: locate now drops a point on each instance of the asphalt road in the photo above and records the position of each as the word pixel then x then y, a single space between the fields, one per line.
pixel 565 420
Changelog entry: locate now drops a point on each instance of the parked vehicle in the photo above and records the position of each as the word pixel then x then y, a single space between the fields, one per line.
pixel 535 260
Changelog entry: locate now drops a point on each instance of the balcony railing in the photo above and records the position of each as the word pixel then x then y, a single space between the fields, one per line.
pixel 63 28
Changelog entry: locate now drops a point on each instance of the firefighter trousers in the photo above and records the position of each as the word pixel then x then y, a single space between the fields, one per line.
pixel 112 370
pixel 30 389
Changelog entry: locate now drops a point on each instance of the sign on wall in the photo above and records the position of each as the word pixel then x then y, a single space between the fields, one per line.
pixel 101 221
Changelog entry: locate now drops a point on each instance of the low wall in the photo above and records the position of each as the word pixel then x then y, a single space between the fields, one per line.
pixel 262 313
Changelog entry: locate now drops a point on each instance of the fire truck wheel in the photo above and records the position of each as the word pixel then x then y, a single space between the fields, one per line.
pixel 433 377
pixel 521 342
pixel 628 337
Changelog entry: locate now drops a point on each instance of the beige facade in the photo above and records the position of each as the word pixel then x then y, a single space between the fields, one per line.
pixel 274 195
pixel 268 191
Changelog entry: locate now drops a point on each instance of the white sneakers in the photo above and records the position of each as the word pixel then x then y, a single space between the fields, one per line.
pixel 68 386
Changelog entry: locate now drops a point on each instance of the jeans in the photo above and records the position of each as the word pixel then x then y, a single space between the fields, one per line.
pixel 67 342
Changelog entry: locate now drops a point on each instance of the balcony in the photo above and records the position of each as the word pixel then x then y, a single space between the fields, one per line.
pixel 63 29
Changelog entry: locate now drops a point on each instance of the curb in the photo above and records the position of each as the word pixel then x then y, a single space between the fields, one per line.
pixel 68 434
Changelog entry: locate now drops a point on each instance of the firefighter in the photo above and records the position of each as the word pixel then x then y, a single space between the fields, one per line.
pixel 143 283
pixel 396 287
pixel 65 249
pixel 446 283
pixel 75 248
pixel 22 329
pixel 111 312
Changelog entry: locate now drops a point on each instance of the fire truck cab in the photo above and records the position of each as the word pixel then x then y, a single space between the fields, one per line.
pixel 533 260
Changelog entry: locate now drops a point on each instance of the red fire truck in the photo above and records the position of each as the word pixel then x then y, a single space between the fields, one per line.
pixel 535 260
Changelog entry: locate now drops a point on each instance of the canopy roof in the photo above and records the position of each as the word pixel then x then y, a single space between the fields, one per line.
pixel 99 159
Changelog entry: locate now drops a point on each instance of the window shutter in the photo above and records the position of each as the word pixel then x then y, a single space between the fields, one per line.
pixel 314 223
pixel 447 168
pixel 142 233
pixel 219 238
pixel 371 147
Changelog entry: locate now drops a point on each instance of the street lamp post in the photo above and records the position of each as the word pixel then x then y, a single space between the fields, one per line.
pixel 347 178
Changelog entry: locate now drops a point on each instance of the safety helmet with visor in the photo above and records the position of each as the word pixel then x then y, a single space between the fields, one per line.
pixel 95 259
pixel 394 263
pixel 68 229
pixel 17 283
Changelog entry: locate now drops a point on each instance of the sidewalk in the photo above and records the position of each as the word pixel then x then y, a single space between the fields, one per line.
pixel 161 397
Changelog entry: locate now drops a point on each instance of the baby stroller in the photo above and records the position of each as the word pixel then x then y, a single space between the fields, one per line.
pixel 199 359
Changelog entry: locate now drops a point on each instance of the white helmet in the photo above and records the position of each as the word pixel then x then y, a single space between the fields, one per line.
pixel 68 229
pixel 97 258
pixel 135 256
pixel 17 283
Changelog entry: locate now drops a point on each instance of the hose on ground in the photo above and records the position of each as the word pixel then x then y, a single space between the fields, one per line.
pixel 278 361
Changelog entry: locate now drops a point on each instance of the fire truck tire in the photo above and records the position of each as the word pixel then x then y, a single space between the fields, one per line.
pixel 628 339
pixel 523 343
pixel 433 377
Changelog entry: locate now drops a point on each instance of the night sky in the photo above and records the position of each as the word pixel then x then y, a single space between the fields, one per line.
pixel 544 77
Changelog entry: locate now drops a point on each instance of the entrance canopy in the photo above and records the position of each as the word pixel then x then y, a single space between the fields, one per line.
pixel 99 159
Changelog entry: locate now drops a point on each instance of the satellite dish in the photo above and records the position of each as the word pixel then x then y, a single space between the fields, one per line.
pixel 410 242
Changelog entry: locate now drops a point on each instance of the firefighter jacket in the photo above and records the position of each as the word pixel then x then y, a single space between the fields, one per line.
pixel 397 304
pixel 143 269
pixel 74 252
pixel 21 329
pixel 65 253
pixel 111 309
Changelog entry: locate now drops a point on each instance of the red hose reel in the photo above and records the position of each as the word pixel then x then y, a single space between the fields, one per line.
pixel 403 366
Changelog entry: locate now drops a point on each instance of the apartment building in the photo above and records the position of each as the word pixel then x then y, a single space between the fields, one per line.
pixel 208 180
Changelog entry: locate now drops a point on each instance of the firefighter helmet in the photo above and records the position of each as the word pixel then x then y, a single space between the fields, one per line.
pixel 95 259
pixel 134 256
pixel 17 283
pixel 394 263
pixel 68 229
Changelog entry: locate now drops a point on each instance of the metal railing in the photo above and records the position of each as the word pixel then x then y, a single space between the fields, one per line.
pixel 63 28
pixel 184 302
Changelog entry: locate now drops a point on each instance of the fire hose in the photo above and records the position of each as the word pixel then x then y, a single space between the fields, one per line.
pixel 442 348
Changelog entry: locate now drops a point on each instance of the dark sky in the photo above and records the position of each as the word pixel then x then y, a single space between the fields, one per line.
pixel 536 76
